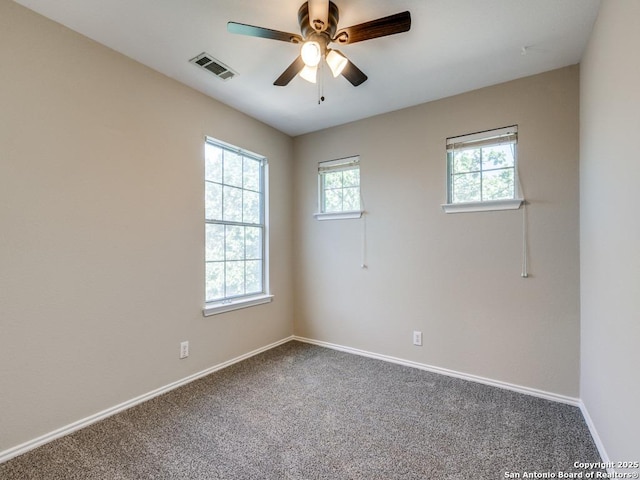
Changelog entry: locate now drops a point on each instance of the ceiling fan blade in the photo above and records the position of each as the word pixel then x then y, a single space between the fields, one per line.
pixel 261 32
pixel 354 74
pixel 318 14
pixel 291 71
pixel 398 23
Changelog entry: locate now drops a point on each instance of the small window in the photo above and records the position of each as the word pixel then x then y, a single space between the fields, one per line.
pixel 235 227
pixel 482 171
pixel 339 188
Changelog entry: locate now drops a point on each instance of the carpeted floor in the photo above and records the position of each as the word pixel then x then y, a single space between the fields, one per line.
pixel 305 412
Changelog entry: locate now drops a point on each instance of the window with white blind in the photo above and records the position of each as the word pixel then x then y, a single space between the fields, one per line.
pixel 235 228
pixel 339 189
pixel 482 171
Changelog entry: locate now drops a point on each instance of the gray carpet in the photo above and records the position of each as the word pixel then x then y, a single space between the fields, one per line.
pixel 305 412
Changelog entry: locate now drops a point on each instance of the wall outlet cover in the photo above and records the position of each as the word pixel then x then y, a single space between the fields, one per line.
pixel 184 349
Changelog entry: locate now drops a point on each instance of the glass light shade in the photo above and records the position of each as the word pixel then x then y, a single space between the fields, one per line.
pixel 309 73
pixel 311 53
pixel 336 62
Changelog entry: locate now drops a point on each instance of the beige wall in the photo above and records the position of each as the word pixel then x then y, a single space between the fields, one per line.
pixel 101 229
pixel 101 234
pixel 610 228
pixel 455 277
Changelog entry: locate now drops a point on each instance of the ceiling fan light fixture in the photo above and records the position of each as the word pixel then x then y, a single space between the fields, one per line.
pixel 336 62
pixel 311 53
pixel 318 20
pixel 309 73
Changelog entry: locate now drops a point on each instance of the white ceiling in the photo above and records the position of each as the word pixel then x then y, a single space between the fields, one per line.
pixel 453 46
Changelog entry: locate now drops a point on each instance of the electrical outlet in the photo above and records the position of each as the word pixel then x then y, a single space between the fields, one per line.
pixel 184 349
pixel 417 338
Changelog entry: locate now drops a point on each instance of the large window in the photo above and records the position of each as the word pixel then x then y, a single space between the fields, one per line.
pixel 235 225
pixel 339 188
pixel 482 168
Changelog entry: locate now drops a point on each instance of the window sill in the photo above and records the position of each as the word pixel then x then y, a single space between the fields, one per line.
pixel 229 305
pixel 338 215
pixel 511 204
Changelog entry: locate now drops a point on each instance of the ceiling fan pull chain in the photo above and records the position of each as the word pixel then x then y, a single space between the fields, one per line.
pixel 320 83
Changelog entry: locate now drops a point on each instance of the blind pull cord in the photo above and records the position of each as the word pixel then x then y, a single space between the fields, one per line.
pixel 525 232
pixel 363 263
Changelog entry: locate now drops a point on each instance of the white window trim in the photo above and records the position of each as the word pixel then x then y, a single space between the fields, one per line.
pixel 215 308
pixel 336 165
pixel 228 305
pixel 486 206
pixel 338 215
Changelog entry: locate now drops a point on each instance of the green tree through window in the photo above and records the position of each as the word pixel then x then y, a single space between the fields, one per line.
pixel 234 223
pixel 482 167
pixel 339 182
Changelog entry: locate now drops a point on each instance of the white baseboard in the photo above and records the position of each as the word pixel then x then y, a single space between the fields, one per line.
pixel 594 434
pixel 66 430
pixel 576 402
pixel 72 427
pixel 444 371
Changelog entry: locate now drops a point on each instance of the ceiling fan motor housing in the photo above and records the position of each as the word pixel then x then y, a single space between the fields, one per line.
pixel 328 32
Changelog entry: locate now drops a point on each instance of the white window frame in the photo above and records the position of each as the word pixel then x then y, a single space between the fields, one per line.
pixel 499 136
pixel 341 164
pixel 243 301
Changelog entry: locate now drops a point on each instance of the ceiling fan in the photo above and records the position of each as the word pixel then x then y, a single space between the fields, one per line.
pixel 318 21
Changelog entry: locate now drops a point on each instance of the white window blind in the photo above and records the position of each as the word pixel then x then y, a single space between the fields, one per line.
pixel 339 188
pixel 339 165
pixel 501 136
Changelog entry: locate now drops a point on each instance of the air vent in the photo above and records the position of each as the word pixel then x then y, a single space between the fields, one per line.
pixel 216 67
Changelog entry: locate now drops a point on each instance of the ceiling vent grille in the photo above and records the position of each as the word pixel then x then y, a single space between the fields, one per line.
pixel 216 67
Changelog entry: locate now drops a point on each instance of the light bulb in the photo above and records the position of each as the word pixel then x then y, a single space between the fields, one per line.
pixel 311 53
